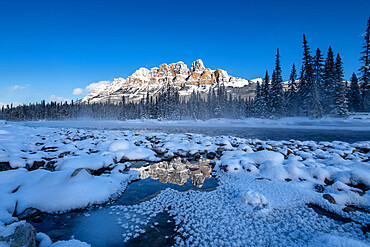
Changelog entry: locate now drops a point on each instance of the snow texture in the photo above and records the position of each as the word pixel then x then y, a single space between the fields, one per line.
pixel 263 198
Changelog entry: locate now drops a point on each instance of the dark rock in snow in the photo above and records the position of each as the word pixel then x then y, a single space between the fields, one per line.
pixel 329 198
pixel 319 188
pixel 349 209
pixel 211 155
pixel 4 166
pixel 28 214
pixel 24 236
pixel 36 165
pixel 78 170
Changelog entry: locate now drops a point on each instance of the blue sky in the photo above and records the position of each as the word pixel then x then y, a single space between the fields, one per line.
pixel 52 47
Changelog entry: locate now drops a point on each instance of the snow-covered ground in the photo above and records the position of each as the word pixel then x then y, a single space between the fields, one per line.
pixel 269 192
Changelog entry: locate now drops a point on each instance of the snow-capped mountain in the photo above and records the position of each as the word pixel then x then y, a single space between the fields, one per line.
pixel 197 78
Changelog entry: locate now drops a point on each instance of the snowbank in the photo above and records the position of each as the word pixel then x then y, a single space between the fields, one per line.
pixel 264 190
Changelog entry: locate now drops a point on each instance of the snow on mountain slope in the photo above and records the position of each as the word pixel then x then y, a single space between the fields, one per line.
pixel 178 75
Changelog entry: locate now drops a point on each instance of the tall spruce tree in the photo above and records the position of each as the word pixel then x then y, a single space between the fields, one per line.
pixel 290 95
pixel 329 81
pixel 276 92
pixel 308 93
pixel 265 95
pixel 257 110
pixel 340 106
pixel 354 97
pixel 305 71
pixel 365 71
pixel 318 66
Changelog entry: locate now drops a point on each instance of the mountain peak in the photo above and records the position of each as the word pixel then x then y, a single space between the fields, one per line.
pixel 197 66
pixel 143 81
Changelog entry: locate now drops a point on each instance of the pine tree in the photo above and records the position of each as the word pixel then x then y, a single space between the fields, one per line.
pixel 306 66
pixel 308 93
pixel 292 87
pixel 365 71
pixel 290 96
pixel 329 81
pixel 340 107
pixel 318 66
pixel 354 97
pixel 265 95
pixel 257 109
pixel 277 94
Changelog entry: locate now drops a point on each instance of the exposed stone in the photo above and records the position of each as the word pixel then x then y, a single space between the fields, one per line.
pixel 349 209
pixel 4 166
pixel 24 236
pixel 28 213
pixel 211 155
pixel 61 155
pixel 78 170
pixel 329 198
pixel 319 188
pixel 197 66
pixel 177 75
pixel 37 165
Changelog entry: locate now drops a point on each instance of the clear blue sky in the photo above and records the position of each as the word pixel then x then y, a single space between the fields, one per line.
pixel 51 47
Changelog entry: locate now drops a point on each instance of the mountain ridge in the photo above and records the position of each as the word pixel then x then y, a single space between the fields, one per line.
pixel 196 79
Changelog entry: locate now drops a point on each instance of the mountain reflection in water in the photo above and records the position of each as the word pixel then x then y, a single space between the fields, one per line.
pixel 177 171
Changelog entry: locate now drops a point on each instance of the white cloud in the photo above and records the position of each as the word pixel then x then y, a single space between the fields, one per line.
pixel 89 88
pixel 14 104
pixel 18 87
pixel 94 85
pixel 78 91
pixel 55 98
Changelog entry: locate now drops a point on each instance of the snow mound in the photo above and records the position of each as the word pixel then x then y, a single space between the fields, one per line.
pixel 119 145
pixel 129 151
pixel 92 162
pixel 255 200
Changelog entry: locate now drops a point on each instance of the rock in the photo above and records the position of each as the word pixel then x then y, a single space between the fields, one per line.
pixel 61 155
pixel 49 149
pixel 24 236
pixel 51 165
pixel 319 188
pixel 28 213
pixel 196 156
pixel 329 198
pixel 364 150
pixel 175 74
pixel 78 170
pixel 211 155
pixel 349 209
pixel 4 166
pixel 36 165
pixel 220 150
pixel 197 66
pixel 328 182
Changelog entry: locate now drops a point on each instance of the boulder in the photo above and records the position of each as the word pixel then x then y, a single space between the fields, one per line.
pixel 4 166
pixel 24 235
pixel 329 198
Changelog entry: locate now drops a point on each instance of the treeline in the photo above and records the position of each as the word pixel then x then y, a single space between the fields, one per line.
pixel 317 89
pixel 166 105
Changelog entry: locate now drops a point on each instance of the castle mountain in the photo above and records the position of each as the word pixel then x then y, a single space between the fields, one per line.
pixel 145 81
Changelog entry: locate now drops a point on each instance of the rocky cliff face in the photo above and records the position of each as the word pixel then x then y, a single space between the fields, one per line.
pixel 143 81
